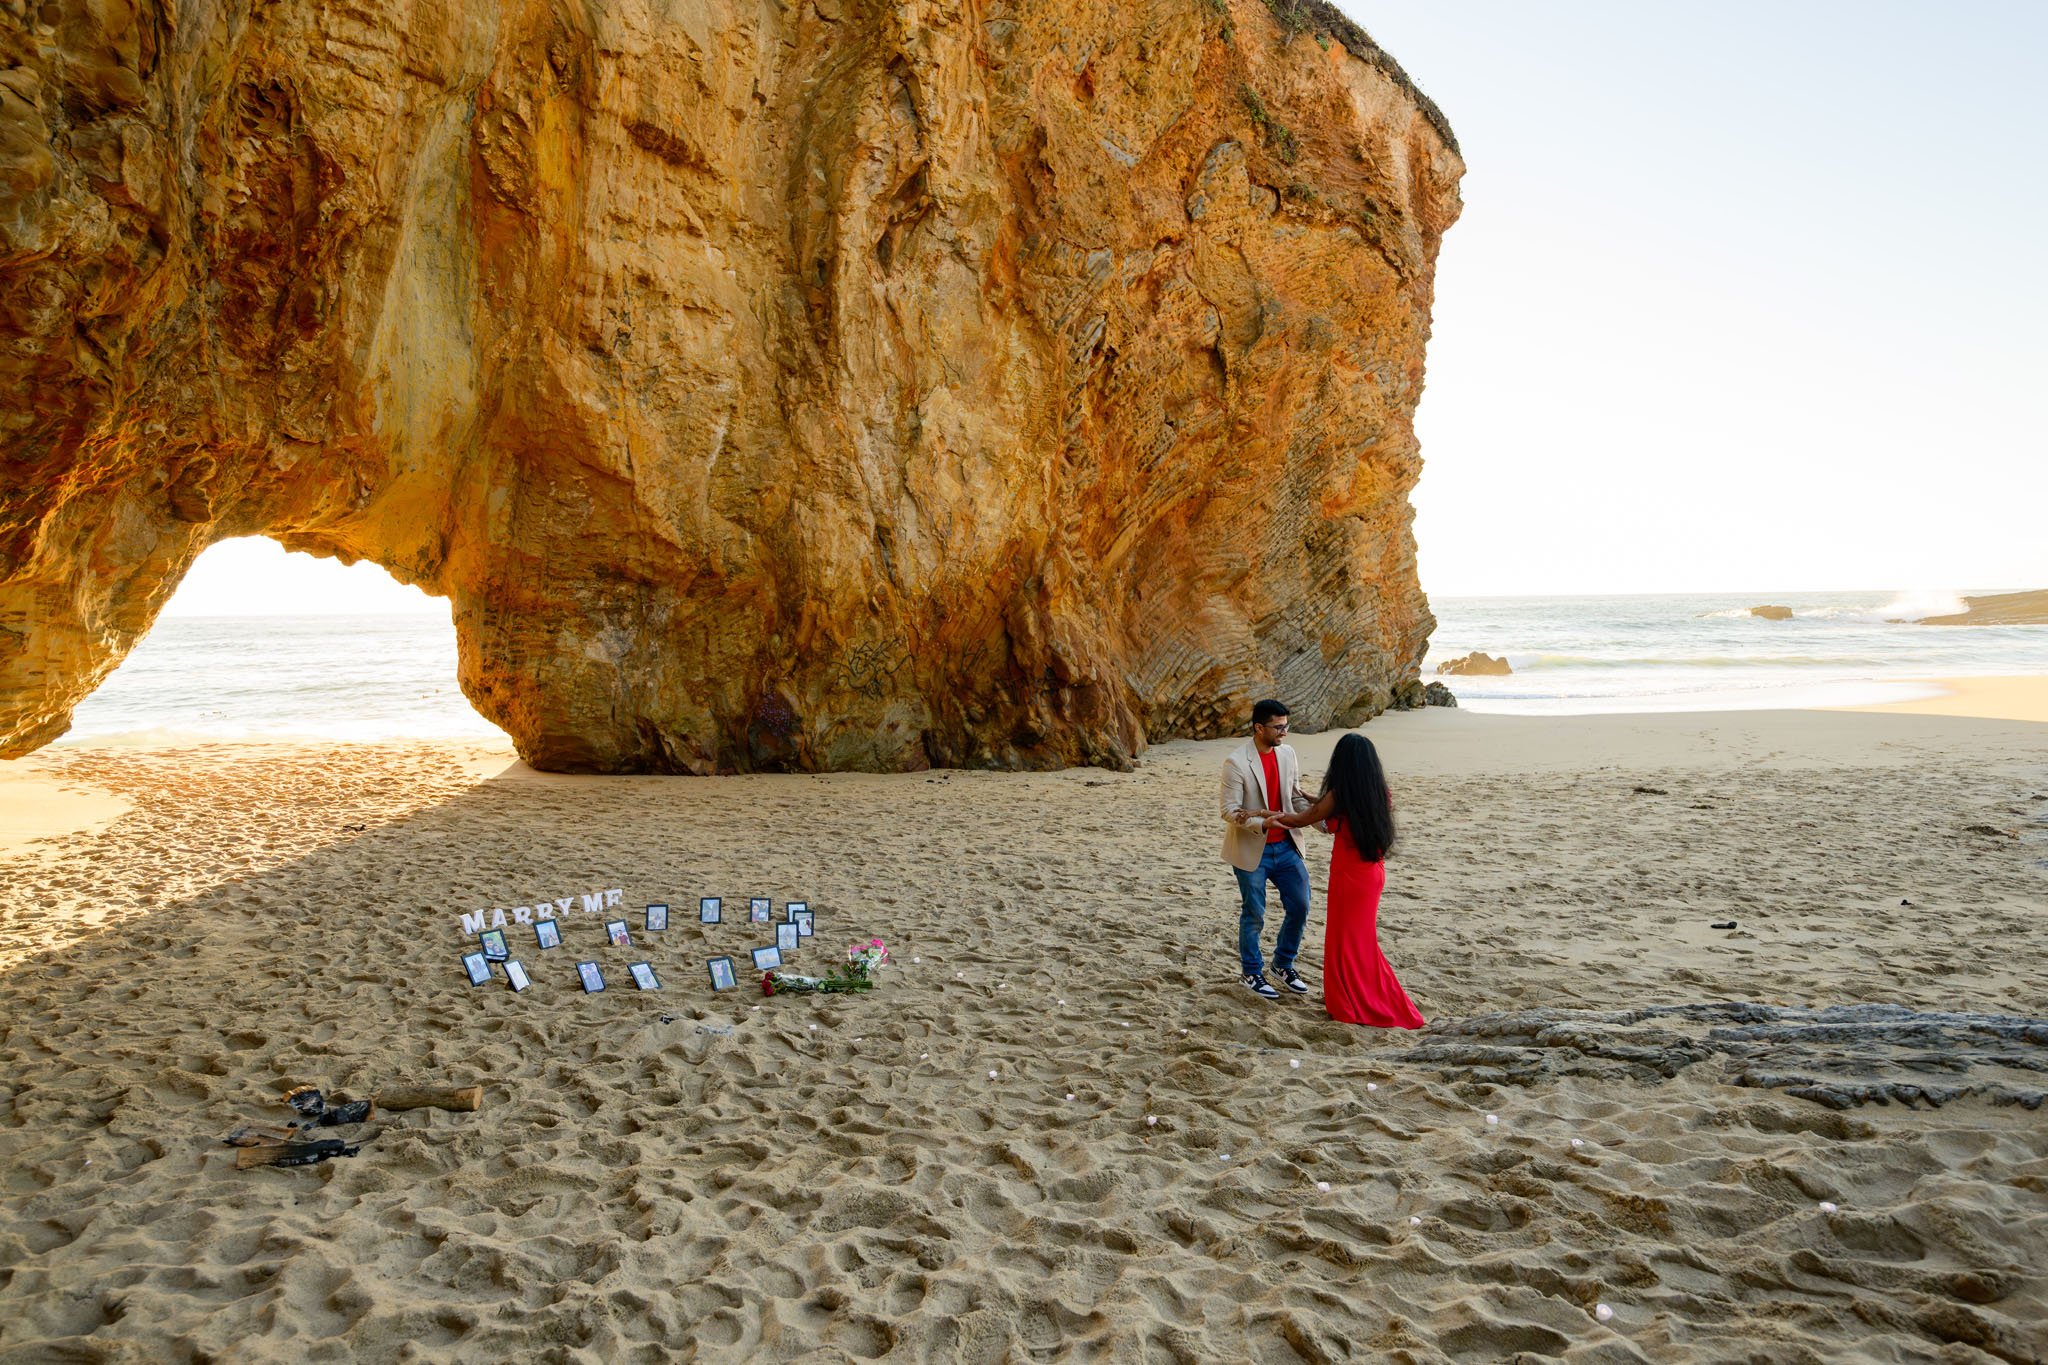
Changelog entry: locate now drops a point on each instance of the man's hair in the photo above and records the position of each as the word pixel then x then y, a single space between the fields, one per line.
pixel 1263 712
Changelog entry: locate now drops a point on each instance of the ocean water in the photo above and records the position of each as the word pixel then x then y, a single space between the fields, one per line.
pixel 284 677
pixel 1706 652
pixel 393 676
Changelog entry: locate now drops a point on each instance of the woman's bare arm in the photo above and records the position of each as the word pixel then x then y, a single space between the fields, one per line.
pixel 1325 806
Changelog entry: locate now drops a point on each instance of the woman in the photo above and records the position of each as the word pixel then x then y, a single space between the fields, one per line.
pixel 1358 985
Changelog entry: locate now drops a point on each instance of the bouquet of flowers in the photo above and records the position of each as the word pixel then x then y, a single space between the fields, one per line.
pixel 863 960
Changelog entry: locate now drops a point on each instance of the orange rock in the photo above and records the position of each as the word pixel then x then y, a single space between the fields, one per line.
pixel 1477 664
pixel 768 387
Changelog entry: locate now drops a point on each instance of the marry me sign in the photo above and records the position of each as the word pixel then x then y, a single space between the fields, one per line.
pixel 590 902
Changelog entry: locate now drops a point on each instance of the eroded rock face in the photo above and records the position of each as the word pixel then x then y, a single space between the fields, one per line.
pixel 808 386
pixel 1477 664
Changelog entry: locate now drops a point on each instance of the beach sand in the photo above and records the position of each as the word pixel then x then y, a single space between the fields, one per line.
pixel 690 1175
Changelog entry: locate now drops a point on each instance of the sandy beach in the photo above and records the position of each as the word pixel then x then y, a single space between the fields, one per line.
pixel 690 1175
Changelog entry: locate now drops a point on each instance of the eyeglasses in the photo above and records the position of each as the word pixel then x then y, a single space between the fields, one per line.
pixel 1278 727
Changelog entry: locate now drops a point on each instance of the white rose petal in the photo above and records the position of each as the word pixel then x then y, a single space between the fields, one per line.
pixel 1151 1119
pixel 1602 1311
pixel 1414 1222
pixel 1225 1156
pixel 991 1075
pixel 1577 1143
pixel 1323 1185
pixel 1492 1120
pixel 917 959
pixel 1370 1086
pixel 1294 1065
pixel 1826 1207
pixel 1070 1097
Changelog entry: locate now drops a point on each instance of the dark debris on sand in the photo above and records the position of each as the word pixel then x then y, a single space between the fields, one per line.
pixel 1843 1056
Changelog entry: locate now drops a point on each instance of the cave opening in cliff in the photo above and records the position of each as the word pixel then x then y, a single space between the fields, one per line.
pixel 261 643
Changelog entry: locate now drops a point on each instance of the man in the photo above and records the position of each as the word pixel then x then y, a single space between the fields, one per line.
pixel 1264 775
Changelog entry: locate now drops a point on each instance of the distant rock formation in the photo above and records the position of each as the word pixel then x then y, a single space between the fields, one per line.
pixel 1772 613
pixel 2002 609
pixel 1475 664
pixel 768 386
pixel 1436 694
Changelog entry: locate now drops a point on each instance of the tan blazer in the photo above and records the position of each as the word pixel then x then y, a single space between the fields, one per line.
pixel 1244 788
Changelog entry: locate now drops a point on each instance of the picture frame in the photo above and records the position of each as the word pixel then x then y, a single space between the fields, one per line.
pixel 759 908
pixel 806 922
pixel 615 934
pixel 710 910
pixel 657 918
pixel 644 977
pixel 477 966
pixel 722 976
pixel 591 976
pixel 515 974
pixel 492 941
pixel 786 935
pixel 795 908
pixel 767 959
pixel 547 933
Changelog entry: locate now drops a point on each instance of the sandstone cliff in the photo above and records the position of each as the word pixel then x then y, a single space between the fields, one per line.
pixel 824 384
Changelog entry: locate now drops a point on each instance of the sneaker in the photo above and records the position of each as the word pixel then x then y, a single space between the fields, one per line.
pixel 1293 981
pixel 1258 984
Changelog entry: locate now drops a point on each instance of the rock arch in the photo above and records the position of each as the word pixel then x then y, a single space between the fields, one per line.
pixel 831 386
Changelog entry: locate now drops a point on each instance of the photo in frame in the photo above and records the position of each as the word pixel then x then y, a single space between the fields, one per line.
pixel 547 933
pixel 593 979
pixel 795 908
pixel 709 909
pixel 758 908
pixel 805 922
pixel 722 978
pixel 616 935
pixel 657 918
pixel 515 974
pixel 644 977
pixel 767 958
pixel 478 966
pixel 786 936
pixel 492 941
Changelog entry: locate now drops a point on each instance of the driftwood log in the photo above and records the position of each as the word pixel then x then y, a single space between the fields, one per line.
pixel 463 1100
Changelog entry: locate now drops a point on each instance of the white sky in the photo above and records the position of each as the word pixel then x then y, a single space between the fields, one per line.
pixel 1746 297
pixel 256 577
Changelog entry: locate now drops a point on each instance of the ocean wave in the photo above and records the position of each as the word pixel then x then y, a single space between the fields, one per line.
pixel 1593 662
pixel 1904 607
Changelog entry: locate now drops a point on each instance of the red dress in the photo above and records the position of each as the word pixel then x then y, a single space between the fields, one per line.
pixel 1358 985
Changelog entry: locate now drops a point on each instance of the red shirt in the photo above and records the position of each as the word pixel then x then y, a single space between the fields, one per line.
pixel 1271 762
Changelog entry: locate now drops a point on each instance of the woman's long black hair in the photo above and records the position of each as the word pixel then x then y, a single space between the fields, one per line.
pixel 1359 785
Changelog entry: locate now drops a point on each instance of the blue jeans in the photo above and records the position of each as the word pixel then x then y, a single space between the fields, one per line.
pixel 1281 864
